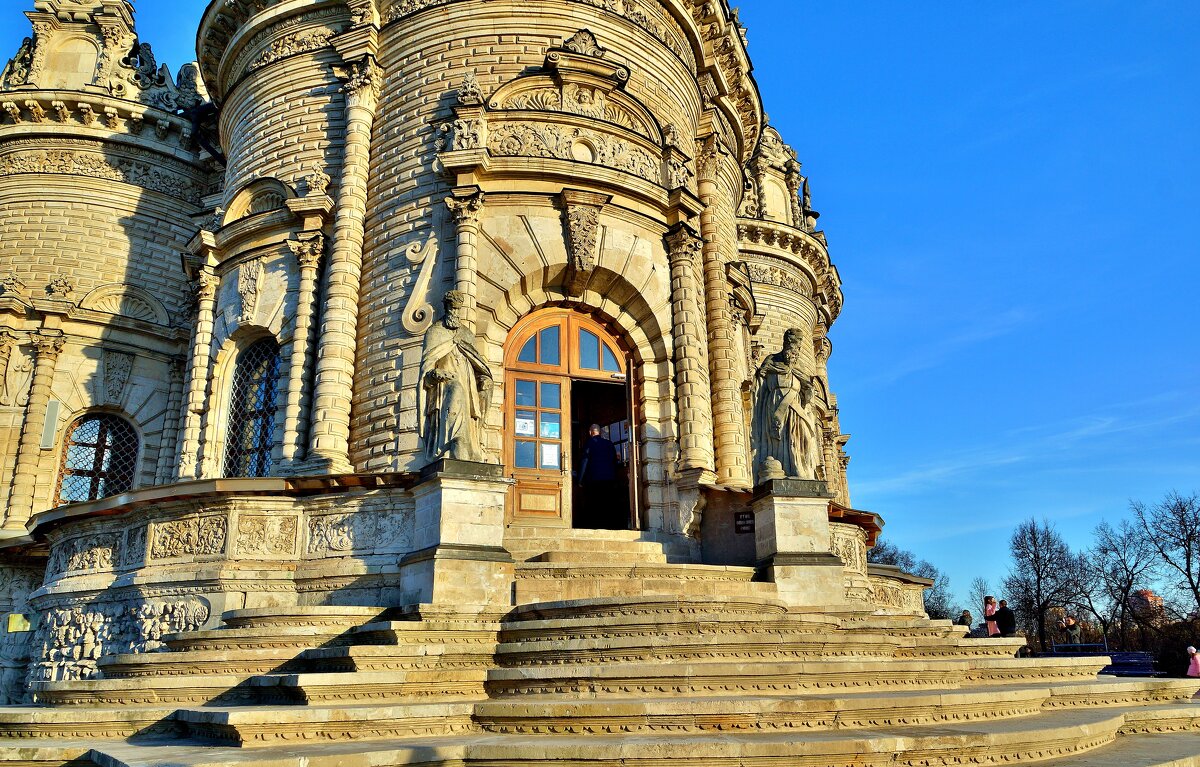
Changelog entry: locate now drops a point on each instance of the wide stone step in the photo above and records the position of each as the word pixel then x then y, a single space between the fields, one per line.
pixel 950 647
pixel 546 582
pixel 781 628
pixel 717 678
pixel 199 662
pixel 410 685
pixel 1024 670
pixel 403 657
pixel 1107 691
pixel 273 725
pixel 197 689
pixel 403 632
pixel 1159 750
pixel 715 641
pixel 1153 719
pixel 24 722
pixel 304 616
pixel 294 637
pixel 589 558
pixel 753 714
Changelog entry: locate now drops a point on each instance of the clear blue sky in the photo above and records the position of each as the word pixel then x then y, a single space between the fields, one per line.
pixel 1008 191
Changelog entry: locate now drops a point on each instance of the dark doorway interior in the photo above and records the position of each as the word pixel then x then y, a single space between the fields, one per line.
pixel 601 490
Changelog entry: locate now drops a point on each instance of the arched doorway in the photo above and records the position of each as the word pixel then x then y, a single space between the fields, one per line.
pixel 565 372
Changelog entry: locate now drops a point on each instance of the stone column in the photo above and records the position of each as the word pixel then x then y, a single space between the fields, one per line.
pixel 198 374
pixel 308 249
pixel 334 378
pixel 47 345
pixel 466 206
pixel 729 435
pixel 692 388
pixel 168 452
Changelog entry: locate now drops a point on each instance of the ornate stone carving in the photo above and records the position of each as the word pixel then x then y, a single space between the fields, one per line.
pixel 784 277
pixel 469 93
pixel 784 438
pixel 336 533
pixel 12 285
pixel 466 210
pixel 60 287
pixel 127 301
pixel 89 552
pixel 317 182
pixel 584 43
pixel 117 367
pixel 190 536
pixel 418 312
pixel 454 389
pixel 17 71
pixel 308 248
pixel 293 44
pixel 266 535
pixel 250 276
pixel 18 375
pixel 364 83
pixel 577 144
pixel 464 134
pixel 153 177
pixel 582 222
pixel 47 345
pixel 135 546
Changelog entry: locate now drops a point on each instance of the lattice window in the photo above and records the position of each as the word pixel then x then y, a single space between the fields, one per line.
pixel 98 460
pixel 251 437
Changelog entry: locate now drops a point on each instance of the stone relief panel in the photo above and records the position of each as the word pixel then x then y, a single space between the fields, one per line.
pixel 360 532
pixel 263 535
pixel 71 639
pixel 564 142
pixel 190 536
pixel 894 598
pixel 89 552
pixel 16 638
pixel 18 374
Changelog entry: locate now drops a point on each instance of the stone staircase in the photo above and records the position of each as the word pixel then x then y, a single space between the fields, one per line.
pixel 668 669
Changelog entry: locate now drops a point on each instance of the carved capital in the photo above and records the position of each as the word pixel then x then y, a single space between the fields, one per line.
pixel 205 285
pixel 364 83
pixel 47 345
pixel 708 156
pixel 683 244
pixel 308 249
pixel 8 340
pixel 466 209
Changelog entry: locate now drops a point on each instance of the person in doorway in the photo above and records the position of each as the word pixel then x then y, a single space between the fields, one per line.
pixel 1006 620
pixel 989 609
pixel 598 478
pixel 1193 662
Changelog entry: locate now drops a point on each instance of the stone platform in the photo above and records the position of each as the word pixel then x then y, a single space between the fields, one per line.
pixel 683 662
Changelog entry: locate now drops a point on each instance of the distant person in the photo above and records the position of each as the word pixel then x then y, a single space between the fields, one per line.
pixel 1073 630
pixel 965 619
pixel 1006 620
pixel 1193 662
pixel 989 610
pixel 598 478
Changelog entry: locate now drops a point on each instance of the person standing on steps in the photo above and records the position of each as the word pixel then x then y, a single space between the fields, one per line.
pixel 1006 620
pixel 598 477
pixel 989 609
pixel 1193 662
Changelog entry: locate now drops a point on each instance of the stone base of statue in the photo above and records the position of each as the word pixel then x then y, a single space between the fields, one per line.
pixel 459 523
pixel 792 542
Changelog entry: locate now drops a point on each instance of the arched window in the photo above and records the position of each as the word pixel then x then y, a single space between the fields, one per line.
pixel 251 437
pixel 99 459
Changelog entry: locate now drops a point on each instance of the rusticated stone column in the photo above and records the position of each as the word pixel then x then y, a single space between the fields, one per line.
pixel 198 373
pixel 729 435
pixel 466 206
pixel 47 346
pixel 333 391
pixel 308 249
pixel 692 392
pixel 168 451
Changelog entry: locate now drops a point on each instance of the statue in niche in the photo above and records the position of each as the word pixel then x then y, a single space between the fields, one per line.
pixel 455 389
pixel 784 441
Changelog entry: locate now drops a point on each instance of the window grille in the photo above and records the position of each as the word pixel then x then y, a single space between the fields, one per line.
pixel 99 459
pixel 251 437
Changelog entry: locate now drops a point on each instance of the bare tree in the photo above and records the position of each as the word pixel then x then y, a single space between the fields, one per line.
pixel 1121 561
pixel 1043 575
pixel 1172 527
pixel 979 589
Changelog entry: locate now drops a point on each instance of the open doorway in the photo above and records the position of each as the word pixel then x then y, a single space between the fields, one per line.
pixel 603 462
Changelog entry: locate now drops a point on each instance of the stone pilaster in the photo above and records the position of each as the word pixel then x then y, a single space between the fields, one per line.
pixel 47 346
pixel 168 451
pixel 333 391
pixel 729 435
pixel 308 250
pixel 198 374
pixel 692 389
pixel 466 207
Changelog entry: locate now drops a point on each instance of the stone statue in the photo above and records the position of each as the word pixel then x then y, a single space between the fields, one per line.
pixel 784 441
pixel 455 389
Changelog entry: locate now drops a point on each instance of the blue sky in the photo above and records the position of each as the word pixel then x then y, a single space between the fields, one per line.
pixel 1008 192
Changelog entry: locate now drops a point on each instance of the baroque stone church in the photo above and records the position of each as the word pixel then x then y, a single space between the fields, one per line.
pixel 445 382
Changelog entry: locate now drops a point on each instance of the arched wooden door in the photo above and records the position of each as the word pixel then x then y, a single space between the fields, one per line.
pixel 564 372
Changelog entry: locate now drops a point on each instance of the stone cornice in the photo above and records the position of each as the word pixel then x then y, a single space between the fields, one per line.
pixel 95 115
pixel 798 247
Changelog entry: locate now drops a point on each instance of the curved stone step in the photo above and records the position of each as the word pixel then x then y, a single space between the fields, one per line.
pixel 428 683
pixel 168 690
pixel 1001 670
pixel 273 725
pixel 295 637
pixel 717 678
pixel 1125 691
pixel 712 641
pixel 1159 750
pixel 1157 719
pixel 951 647
pixel 200 662
pixel 403 657
pixel 304 616
pixel 24 722
pixel 399 632
pixel 752 714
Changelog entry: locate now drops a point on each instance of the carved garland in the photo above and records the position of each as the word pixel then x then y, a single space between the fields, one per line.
pixel 146 172
pixel 560 142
